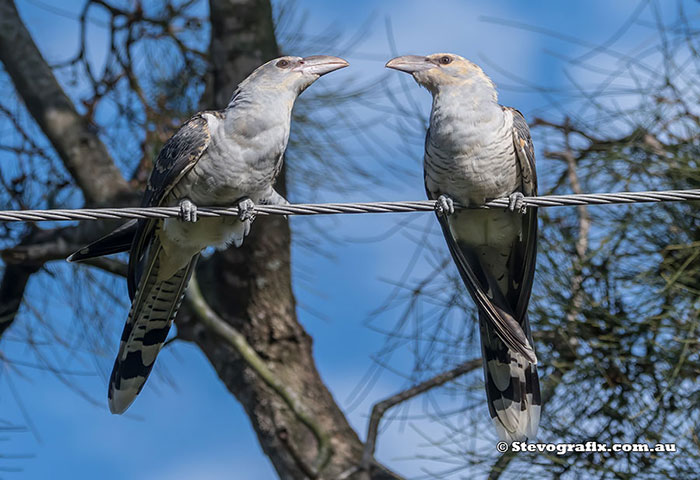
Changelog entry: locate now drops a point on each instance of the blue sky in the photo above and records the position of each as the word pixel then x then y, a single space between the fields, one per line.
pixel 196 429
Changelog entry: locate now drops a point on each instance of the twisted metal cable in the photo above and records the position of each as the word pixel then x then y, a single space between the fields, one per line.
pixel 343 208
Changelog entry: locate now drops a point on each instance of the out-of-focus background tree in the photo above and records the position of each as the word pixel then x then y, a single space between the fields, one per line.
pixel 612 98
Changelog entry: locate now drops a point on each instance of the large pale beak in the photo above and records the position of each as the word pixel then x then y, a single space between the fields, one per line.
pixel 321 64
pixel 410 63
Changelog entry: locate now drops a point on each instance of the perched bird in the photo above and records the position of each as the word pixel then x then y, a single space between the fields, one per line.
pixel 217 158
pixel 477 150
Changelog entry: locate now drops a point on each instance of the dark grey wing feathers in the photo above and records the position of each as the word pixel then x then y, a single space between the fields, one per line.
pixel 525 151
pixel 180 153
pixel 508 327
pixel 525 251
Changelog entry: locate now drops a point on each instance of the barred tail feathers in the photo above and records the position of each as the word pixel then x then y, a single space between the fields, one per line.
pixel 512 388
pixel 155 305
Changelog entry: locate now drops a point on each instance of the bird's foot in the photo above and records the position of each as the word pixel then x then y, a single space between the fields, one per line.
pixel 188 211
pixel 444 206
pixel 245 209
pixel 516 202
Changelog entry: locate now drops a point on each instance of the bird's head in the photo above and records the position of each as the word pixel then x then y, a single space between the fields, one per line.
pixel 292 74
pixel 440 70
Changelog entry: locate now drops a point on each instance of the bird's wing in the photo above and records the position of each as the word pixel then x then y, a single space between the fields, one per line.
pixel 526 152
pixel 507 327
pixel 494 307
pixel 155 298
pixel 512 386
pixel 524 251
pixel 180 153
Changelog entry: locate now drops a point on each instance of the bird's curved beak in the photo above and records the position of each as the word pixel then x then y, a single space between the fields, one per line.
pixel 410 64
pixel 321 64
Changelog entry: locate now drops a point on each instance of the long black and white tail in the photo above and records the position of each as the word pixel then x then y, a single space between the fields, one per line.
pixel 152 312
pixel 512 387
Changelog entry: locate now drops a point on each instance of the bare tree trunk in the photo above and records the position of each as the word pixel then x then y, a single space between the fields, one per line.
pixel 250 287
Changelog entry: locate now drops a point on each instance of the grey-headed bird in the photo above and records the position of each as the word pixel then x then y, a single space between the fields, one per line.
pixel 477 150
pixel 217 158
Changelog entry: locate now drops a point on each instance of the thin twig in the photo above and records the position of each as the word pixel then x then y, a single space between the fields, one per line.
pixel 583 231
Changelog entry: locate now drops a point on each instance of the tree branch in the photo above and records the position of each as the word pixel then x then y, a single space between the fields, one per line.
pixel 248 37
pixel 14 282
pixel 42 246
pixel 109 265
pixel 500 465
pixel 76 142
pixel 380 408
pixel 583 230
pixel 212 321
pixel 45 245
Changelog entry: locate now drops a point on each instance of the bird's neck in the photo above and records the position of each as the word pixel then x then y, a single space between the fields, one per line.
pixel 464 114
pixel 473 95
pixel 476 101
pixel 252 113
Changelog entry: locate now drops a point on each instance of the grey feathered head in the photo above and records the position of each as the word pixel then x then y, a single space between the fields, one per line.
pixel 441 70
pixel 290 74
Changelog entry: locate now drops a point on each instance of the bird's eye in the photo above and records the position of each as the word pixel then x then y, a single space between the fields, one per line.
pixel 445 60
pixel 283 63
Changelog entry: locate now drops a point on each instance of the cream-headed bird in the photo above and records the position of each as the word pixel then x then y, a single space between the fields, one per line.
pixel 477 150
